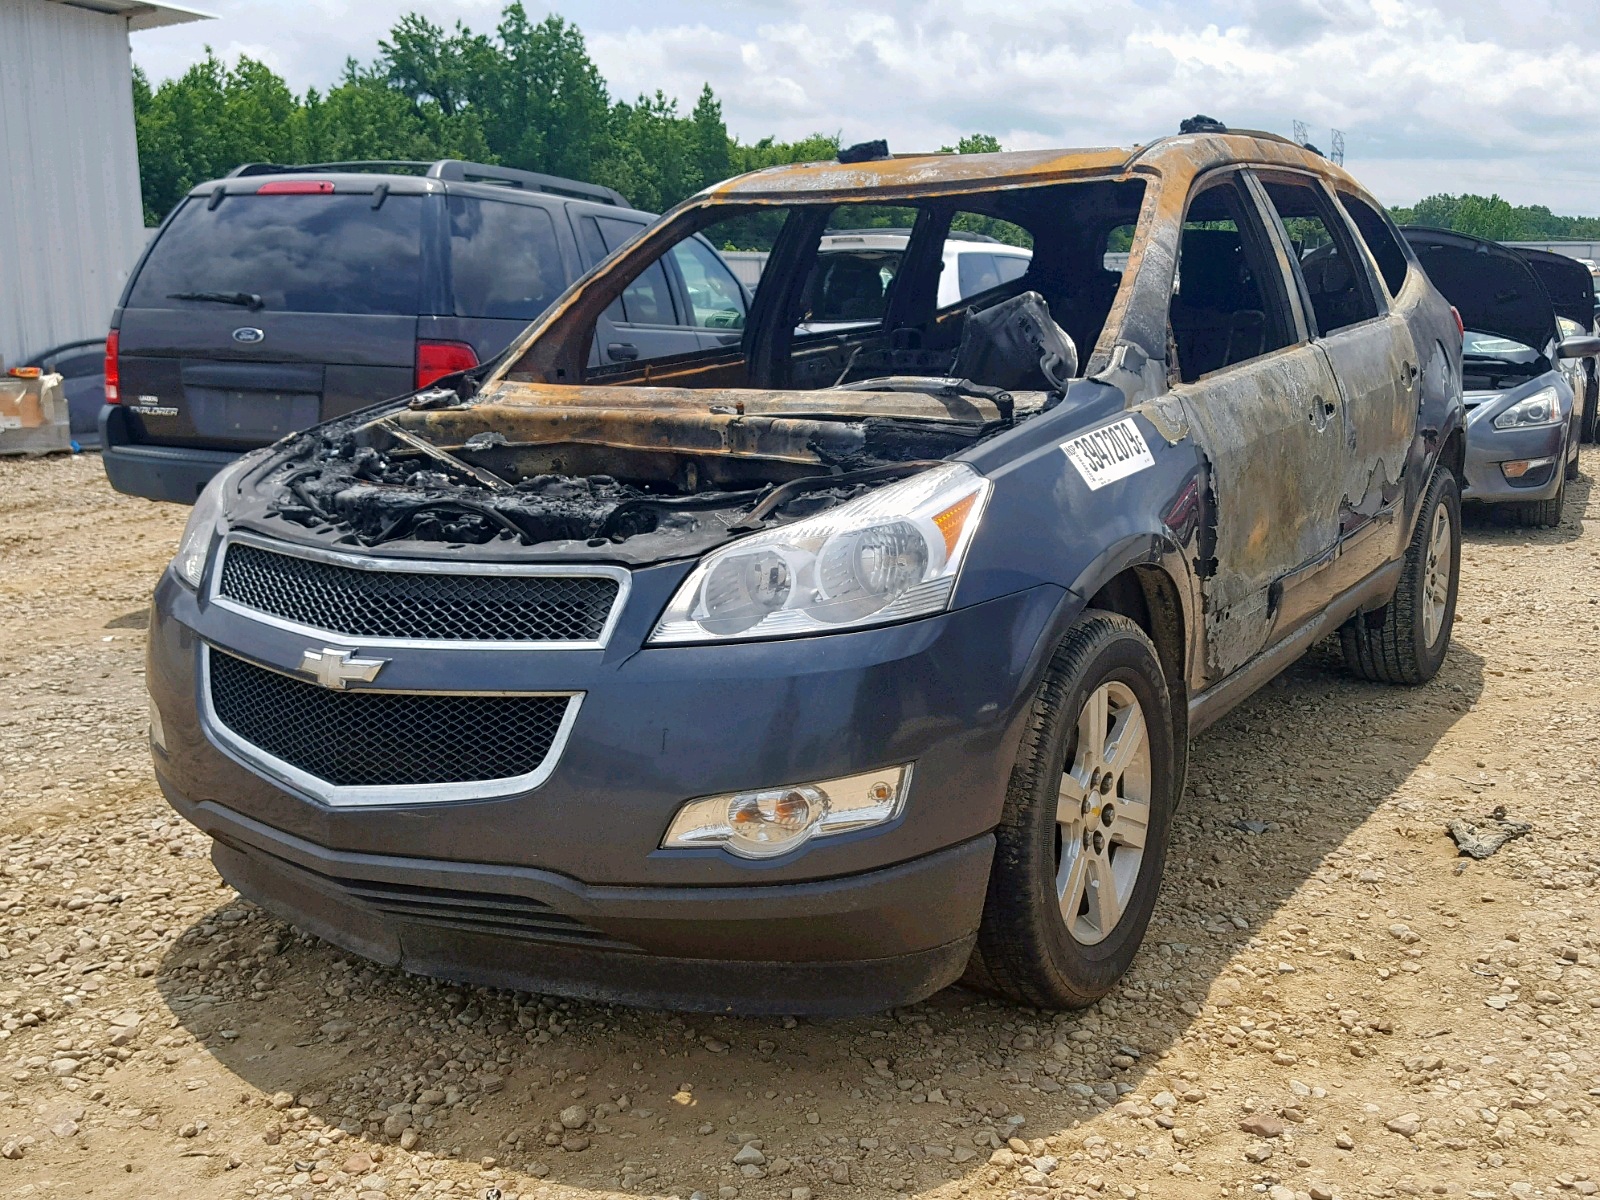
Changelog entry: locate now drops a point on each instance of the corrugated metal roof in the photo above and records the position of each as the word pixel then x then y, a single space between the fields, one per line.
pixel 140 13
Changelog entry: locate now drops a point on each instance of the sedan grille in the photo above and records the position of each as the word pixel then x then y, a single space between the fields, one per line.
pixel 379 738
pixel 395 603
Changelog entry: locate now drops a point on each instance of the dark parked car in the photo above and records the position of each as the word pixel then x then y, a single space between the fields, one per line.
pixel 284 296
pixel 1525 379
pixel 812 672
pixel 81 366
pixel 1573 295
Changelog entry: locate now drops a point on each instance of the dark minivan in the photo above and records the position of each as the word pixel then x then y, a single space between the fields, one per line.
pixel 280 297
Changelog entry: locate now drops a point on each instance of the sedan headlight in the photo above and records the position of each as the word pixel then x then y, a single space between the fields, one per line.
pixel 1541 408
pixel 195 545
pixel 886 556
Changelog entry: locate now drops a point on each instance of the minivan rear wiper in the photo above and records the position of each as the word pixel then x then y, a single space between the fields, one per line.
pixel 243 299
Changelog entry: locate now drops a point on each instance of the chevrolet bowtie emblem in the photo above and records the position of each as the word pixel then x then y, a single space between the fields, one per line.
pixel 340 668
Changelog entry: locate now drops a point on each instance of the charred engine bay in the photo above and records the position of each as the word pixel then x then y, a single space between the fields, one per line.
pixel 637 474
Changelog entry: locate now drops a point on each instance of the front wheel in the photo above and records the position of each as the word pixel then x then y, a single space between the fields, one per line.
pixel 1540 514
pixel 1082 840
pixel 1405 640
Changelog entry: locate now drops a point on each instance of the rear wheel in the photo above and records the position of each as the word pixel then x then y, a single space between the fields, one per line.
pixel 1540 514
pixel 1405 640
pixel 1082 841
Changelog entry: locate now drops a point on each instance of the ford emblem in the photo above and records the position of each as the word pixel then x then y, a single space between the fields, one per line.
pixel 248 336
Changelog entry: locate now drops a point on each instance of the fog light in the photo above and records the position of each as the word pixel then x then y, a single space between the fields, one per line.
pixel 1517 468
pixel 774 821
pixel 158 733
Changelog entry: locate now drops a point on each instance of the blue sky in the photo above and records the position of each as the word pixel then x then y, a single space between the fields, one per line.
pixel 1432 95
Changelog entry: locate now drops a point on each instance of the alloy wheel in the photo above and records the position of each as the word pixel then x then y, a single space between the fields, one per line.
pixel 1103 814
pixel 1436 576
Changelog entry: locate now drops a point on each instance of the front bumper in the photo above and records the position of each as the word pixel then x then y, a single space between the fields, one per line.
pixel 175 473
pixel 1488 447
pixel 858 944
pixel 855 922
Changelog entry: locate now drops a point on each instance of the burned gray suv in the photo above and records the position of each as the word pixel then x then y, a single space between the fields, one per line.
pixel 816 669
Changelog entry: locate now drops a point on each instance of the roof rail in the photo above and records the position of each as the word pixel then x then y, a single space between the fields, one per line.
pixel 450 170
pixel 958 235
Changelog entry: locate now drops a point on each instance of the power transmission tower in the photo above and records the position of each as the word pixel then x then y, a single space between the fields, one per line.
pixel 1338 148
pixel 1300 133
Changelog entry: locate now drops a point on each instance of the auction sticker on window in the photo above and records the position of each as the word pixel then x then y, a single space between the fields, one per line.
pixel 1109 453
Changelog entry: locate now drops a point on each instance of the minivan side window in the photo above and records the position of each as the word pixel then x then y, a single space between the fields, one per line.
pixel 1380 239
pixel 1228 304
pixel 1335 280
pixel 504 259
pixel 648 299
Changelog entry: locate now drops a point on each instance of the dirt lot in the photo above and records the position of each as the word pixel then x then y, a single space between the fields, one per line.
pixel 1330 1002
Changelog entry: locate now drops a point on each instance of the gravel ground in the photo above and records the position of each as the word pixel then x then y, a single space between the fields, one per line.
pixel 1330 1003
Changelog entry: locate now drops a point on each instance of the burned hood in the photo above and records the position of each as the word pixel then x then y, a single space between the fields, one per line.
pixel 629 475
pixel 1568 283
pixel 1492 287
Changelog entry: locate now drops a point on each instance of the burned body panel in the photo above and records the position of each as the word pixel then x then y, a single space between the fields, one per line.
pixel 784 606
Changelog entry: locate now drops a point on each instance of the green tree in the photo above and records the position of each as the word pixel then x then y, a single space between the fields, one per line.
pixel 528 95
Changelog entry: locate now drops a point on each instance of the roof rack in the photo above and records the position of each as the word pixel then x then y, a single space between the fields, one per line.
pixel 957 235
pixel 451 170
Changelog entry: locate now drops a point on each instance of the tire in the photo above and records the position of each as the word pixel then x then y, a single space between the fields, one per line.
pixel 1572 464
pixel 1026 950
pixel 1540 514
pixel 1405 641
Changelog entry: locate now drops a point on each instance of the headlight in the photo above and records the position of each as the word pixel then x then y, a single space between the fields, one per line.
pixel 1541 408
pixel 195 545
pixel 765 824
pixel 886 556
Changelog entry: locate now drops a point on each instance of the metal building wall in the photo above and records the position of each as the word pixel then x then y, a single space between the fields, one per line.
pixel 71 222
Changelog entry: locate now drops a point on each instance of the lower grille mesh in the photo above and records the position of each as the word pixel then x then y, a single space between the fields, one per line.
pixel 376 738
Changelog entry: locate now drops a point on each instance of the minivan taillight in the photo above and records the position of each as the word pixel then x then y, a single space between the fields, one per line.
pixel 113 375
pixel 1461 326
pixel 435 360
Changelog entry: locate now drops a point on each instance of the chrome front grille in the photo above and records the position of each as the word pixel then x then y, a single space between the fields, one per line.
pixel 398 601
pixel 372 746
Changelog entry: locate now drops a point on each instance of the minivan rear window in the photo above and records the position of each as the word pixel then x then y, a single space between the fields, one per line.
pixel 328 253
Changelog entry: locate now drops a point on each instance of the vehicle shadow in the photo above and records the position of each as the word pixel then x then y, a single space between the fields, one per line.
pixel 1493 522
pixel 902 1101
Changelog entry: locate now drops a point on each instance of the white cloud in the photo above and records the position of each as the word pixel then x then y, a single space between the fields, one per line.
pixel 1433 95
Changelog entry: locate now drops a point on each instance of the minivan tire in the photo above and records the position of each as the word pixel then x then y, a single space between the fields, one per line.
pixel 1406 640
pixel 1026 951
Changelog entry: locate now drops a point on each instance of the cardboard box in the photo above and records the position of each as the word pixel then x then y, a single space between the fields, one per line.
pixel 33 415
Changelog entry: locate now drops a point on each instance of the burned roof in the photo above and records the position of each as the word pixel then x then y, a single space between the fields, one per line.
pixel 920 174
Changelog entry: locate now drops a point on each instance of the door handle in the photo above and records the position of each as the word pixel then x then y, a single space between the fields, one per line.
pixel 622 351
pixel 1408 374
pixel 1322 412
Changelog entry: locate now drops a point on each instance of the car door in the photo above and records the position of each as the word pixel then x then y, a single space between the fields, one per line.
pixel 1373 359
pixel 646 321
pixel 1258 395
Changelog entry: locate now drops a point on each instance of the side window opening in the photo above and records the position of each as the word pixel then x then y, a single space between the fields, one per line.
pixel 1381 239
pixel 1228 305
pixel 1335 281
